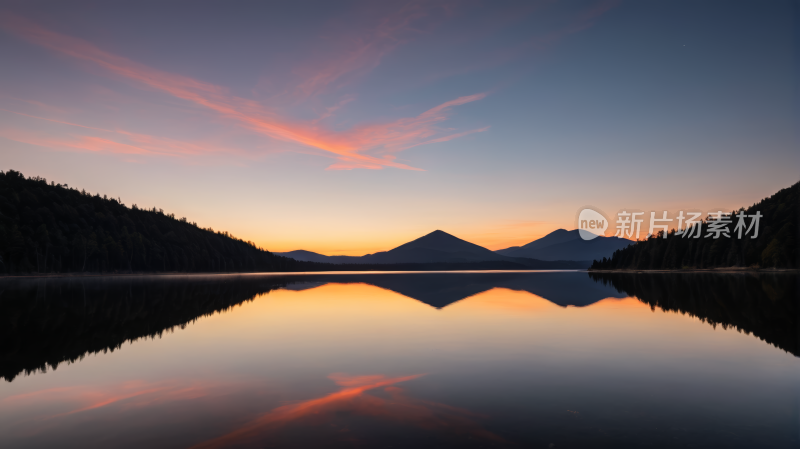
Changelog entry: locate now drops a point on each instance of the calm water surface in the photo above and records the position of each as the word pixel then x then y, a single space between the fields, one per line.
pixel 547 359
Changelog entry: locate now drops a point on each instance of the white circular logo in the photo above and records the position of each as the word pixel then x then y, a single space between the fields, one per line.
pixel 591 224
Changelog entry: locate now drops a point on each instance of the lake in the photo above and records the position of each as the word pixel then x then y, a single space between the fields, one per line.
pixel 393 360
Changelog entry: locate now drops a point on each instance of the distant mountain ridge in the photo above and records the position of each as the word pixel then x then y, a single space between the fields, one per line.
pixel 438 247
pixel 567 245
pixel 309 256
pixel 48 228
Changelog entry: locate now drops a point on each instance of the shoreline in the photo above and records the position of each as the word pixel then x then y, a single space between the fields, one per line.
pixel 703 270
pixel 728 270
pixel 273 273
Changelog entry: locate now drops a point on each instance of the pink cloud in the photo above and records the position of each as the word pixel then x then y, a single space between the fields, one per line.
pixel 54 120
pixel 80 143
pixel 136 143
pixel 363 52
pixel 450 137
pixel 352 147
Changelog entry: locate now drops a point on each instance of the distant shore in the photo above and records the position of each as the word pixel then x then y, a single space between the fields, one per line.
pixel 704 270
pixel 274 273
pixel 291 273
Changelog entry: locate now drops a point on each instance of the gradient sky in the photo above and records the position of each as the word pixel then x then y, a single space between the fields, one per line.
pixel 353 127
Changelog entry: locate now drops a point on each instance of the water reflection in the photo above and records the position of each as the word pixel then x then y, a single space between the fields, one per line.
pixel 432 360
pixel 45 322
pixel 442 289
pixel 66 401
pixel 334 415
pixel 764 304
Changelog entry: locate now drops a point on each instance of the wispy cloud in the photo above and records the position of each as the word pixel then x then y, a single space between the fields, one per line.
pixel 362 50
pixel 450 137
pixel 362 146
pixel 522 48
pixel 116 141
pixel 80 143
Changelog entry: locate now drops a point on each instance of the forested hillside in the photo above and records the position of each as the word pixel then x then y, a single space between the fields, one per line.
pixel 49 228
pixel 775 246
pixel 52 228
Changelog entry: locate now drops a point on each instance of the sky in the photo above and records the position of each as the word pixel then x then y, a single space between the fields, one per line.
pixel 353 127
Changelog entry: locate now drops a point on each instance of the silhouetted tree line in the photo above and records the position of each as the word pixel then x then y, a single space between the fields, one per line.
pixel 775 247
pixel 52 228
pixel 46 322
pixel 48 228
pixel 764 304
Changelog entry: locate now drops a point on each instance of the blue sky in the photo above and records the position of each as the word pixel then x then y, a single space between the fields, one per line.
pixel 352 127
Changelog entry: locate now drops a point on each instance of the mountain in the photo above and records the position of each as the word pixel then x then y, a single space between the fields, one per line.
pixel 49 228
pixel 555 237
pixel 776 245
pixel 436 248
pixel 309 256
pixel 567 245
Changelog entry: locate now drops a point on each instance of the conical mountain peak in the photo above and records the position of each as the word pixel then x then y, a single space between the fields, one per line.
pixel 441 241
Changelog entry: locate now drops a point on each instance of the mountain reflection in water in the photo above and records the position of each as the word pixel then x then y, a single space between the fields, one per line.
pixel 44 322
pixel 544 359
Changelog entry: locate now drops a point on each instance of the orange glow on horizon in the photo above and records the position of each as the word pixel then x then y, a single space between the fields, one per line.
pixel 493 236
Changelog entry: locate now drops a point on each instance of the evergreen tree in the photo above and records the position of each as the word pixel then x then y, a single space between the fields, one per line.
pixel 775 247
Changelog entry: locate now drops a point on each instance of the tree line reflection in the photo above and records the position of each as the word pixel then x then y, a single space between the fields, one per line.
pixel 44 323
pixel 47 322
pixel 762 304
